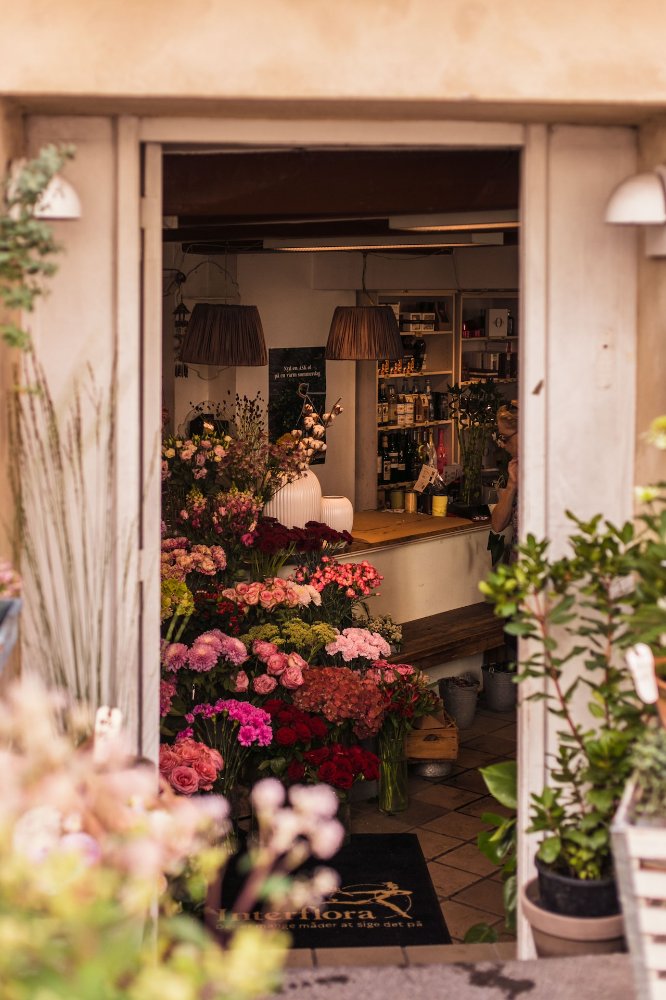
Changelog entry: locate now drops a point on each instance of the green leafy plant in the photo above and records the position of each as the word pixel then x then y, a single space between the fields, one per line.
pixel 499 843
pixel 473 409
pixel 648 760
pixel 27 243
pixel 577 609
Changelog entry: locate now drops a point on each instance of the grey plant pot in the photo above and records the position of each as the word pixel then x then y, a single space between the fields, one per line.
pixel 499 690
pixel 459 702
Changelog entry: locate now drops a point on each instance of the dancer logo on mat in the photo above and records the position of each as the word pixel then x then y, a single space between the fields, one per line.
pixel 363 904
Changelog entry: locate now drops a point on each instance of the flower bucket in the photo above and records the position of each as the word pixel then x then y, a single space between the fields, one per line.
pixel 499 690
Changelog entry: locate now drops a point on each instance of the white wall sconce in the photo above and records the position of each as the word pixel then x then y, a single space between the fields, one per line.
pixel 59 200
pixel 641 201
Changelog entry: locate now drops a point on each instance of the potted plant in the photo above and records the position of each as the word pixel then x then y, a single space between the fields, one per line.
pixel 460 695
pixel 573 609
pixel 473 408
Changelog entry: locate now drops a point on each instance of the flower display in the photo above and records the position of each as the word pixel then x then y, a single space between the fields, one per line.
pixel 386 627
pixel 341 585
pixel 194 461
pixel 190 766
pixel 272 593
pixel 274 545
pixel 343 697
pixel 358 644
pixel 229 516
pixel 182 559
pixel 405 694
pixel 233 728
pixel 310 440
pixel 339 765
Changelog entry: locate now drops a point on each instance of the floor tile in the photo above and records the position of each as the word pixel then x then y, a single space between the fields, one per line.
pixel 485 804
pixel 459 918
pixel 474 758
pixel 390 955
pixel 509 732
pixel 484 895
pixel 446 797
pixel 470 780
pixel 421 811
pixel 300 958
pixel 440 954
pixel 449 881
pixel 469 858
pixel 433 844
pixel 457 825
pixel 492 744
pixel 483 724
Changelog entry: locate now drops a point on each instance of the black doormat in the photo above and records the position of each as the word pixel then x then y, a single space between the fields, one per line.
pixel 385 897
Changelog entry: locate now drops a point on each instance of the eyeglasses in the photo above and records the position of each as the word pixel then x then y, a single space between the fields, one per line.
pixel 503 438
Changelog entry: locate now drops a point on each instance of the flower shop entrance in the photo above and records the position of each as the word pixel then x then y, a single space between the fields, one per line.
pixel 577 307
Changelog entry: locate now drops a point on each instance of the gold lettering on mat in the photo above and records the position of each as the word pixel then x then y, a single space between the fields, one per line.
pixel 366 905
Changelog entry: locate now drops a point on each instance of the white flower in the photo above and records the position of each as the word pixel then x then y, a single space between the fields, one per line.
pixel 326 838
pixel 308 423
pixel 640 661
pixel 325 881
pixel 268 795
pixel 646 494
pixel 317 801
pixel 318 430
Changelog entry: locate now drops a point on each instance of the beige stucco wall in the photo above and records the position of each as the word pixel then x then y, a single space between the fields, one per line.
pixel 474 52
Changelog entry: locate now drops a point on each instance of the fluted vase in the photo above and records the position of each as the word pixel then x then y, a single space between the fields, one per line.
pixel 297 502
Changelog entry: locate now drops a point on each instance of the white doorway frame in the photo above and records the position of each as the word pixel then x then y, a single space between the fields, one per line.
pixel 532 141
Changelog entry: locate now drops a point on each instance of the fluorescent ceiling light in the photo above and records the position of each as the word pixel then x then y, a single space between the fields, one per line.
pixel 454 221
pixel 384 243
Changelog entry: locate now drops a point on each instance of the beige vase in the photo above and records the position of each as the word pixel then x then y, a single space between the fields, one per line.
pixel 337 513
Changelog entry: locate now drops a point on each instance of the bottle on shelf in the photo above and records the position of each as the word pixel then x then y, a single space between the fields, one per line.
pixel 409 405
pixel 393 459
pixel 401 405
pixel 431 402
pixel 401 466
pixel 442 457
pixel 418 406
pixel 425 407
pixel 386 461
pixel 410 456
pixel 392 405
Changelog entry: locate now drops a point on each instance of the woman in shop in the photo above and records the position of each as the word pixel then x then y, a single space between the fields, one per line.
pixel 505 511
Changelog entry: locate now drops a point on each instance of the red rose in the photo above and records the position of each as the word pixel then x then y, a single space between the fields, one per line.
pixel 285 736
pixel 328 772
pixel 317 757
pixel 302 731
pixel 343 778
pixel 318 727
pixel 296 771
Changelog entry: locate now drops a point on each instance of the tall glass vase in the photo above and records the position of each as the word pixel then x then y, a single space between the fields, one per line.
pixel 393 774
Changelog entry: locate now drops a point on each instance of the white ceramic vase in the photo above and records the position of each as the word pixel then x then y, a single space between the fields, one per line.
pixel 297 502
pixel 337 513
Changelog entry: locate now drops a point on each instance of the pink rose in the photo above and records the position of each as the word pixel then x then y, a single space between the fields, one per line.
pixel 168 760
pixel 264 684
pixel 276 664
pixel 242 681
pixel 184 779
pixel 207 773
pixel 267 599
pixel 251 597
pixel 242 588
pixel 189 751
pixel 292 678
pixel 296 660
pixel 216 757
pixel 263 649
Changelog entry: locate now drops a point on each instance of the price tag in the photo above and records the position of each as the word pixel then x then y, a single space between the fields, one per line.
pixel 427 475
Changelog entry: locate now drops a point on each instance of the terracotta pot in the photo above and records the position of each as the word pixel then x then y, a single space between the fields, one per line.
pixel 557 935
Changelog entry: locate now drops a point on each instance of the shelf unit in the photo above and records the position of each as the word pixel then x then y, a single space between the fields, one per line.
pixel 448 357
pixel 484 356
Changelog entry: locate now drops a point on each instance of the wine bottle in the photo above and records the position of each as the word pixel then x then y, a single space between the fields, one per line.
pixel 442 457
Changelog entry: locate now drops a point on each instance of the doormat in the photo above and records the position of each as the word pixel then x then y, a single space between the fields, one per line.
pixel 385 898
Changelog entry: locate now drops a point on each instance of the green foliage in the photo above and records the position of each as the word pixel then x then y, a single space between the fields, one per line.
pixel 26 243
pixel 499 843
pixel 577 613
pixel 648 760
pixel 480 934
pixel 473 409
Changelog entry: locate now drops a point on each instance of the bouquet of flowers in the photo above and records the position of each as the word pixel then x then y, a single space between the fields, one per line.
pixel 190 766
pixel 183 560
pixel 274 668
pixel 232 727
pixel 209 662
pixel 293 636
pixel 272 594
pixel 274 545
pixel 295 733
pixel 339 765
pixel 345 698
pixel 341 586
pixel 387 628
pixel 357 644
pixel 405 696
pixel 229 516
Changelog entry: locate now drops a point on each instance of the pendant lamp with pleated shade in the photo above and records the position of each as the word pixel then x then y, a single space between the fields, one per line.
pixel 224 334
pixel 364 333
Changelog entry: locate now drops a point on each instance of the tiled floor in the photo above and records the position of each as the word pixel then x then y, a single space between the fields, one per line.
pixel 445 814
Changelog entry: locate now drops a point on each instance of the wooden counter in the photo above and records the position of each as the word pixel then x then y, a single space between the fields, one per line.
pixel 383 527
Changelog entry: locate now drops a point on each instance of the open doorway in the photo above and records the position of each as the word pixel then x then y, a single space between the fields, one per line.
pixel 298 232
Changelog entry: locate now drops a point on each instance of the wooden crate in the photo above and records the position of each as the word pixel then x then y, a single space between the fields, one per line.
pixel 435 737
pixel 639 856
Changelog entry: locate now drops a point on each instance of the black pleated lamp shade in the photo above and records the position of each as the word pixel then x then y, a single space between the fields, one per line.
pixel 221 334
pixel 364 333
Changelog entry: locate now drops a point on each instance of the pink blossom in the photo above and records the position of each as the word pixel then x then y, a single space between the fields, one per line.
pixel 174 656
pixel 168 760
pixel 247 539
pixel 242 681
pixel 292 678
pixel 167 692
pixel 276 664
pixel 263 684
pixel 202 658
pixel 184 779
pixel 263 649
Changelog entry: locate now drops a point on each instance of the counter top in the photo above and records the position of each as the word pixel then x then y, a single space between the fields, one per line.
pixel 383 527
